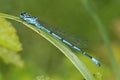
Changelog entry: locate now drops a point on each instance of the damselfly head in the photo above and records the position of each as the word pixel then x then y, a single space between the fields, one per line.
pixel 28 18
pixel 24 14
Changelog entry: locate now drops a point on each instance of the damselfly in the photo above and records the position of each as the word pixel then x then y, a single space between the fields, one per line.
pixel 34 20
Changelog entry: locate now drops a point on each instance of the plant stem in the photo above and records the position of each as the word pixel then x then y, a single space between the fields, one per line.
pixel 104 36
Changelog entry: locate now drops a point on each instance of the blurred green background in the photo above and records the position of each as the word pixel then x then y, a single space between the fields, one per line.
pixel 42 59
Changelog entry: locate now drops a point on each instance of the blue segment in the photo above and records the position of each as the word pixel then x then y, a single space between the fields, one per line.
pixel 76 48
pixel 33 20
pixel 84 53
pixel 39 26
pixel 55 35
pixel 66 42
pixel 96 61
pixel 43 28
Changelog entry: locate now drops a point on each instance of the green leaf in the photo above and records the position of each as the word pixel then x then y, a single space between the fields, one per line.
pixel 9 43
pixel 62 47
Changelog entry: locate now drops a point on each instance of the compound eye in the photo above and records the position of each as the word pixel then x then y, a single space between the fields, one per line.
pixel 24 14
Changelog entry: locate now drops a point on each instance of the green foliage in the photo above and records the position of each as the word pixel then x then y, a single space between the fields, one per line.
pixel 9 44
pixel 8 37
